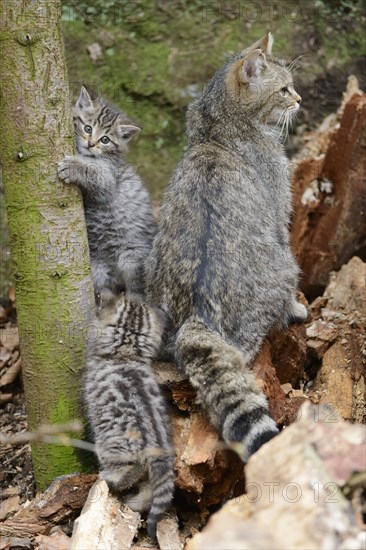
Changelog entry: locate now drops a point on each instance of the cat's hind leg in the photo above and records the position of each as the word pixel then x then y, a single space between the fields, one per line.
pixel 120 463
pixel 101 277
pixel 141 499
pixel 122 477
pixel 130 274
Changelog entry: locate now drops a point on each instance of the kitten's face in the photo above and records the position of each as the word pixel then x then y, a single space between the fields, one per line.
pixel 127 328
pixel 101 129
pixel 263 85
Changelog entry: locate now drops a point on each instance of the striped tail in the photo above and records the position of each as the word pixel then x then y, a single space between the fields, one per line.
pixel 162 482
pixel 225 387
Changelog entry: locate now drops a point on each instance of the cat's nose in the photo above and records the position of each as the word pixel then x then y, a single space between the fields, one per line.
pixel 91 143
pixel 299 99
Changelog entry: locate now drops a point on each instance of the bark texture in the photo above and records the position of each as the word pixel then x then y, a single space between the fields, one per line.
pixel 329 184
pixel 49 246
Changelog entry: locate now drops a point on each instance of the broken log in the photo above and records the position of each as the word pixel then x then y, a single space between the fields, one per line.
pixel 338 340
pixel 329 188
pixel 59 503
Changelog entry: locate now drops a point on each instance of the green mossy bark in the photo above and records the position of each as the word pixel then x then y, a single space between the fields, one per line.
pixel 48 240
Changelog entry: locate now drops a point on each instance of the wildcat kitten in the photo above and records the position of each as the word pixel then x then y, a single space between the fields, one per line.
pixel 221 266
pixel 118 212
pixel 125 407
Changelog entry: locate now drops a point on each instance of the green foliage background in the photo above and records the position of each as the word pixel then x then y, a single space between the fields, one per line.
pixel 158 55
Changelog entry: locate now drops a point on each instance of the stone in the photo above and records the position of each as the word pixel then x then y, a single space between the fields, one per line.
pixel 293 499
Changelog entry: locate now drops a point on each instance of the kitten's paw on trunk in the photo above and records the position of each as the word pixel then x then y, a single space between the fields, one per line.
pixel 67 169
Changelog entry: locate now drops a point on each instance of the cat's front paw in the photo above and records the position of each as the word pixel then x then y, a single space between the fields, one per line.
pixel 67 169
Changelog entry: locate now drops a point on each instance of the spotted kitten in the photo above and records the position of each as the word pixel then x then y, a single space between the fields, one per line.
pixel 125 407
pixel 117 206
pixel 221 266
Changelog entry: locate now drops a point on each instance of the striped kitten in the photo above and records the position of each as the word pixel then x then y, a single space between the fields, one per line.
pixel 125 407
pixel 117 206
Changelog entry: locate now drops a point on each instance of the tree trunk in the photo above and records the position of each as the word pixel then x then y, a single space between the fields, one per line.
pixel 48 240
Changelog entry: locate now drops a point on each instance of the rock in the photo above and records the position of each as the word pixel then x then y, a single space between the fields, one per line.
pixel 293 499
pixel 329 222
pixel 320 334
pixel 347 288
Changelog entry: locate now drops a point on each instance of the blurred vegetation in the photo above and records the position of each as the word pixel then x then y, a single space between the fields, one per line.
pixel 158 55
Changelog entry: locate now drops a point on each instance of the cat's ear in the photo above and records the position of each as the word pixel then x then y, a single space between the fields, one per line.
pixel 84 100
pixel 264 44
pixel 128 131
pixel 252 66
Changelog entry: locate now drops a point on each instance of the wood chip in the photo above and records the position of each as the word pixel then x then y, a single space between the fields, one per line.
pixel 5 397
pixel 65 496
pixel 8 506
pixel 9 337
pixel 168 533
pixel 15 542
pixel 9 492
pixel 11 373
pixel 56 541
pixel 102 524
pixel 2 313
pixel 5 356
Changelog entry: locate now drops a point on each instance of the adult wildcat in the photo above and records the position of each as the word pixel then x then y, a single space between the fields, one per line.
pixel 221 266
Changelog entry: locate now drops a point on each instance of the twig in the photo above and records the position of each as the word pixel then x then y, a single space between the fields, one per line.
pixel 52 434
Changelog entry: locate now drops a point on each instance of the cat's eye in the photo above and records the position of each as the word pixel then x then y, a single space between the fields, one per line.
pixel 88 129
pixel 105 140
pixel 284 90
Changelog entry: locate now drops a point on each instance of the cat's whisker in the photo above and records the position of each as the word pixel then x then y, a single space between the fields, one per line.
pixel 292 66
pixel 283 119
pixel 280 119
